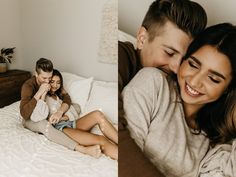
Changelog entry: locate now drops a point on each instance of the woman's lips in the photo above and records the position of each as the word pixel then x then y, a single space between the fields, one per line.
pixel 192 92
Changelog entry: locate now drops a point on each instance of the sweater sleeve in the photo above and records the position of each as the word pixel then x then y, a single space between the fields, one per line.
pixel 28 102
pixel 40 112
pixel 138 99
pixel 219 161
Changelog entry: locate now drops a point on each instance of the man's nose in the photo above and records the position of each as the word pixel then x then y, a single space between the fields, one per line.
pixel 174 65
pixel 47 81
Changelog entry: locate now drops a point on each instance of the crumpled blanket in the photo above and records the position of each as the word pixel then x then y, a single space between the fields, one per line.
pixel 220 161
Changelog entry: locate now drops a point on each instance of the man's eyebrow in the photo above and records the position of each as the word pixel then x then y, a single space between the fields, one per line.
pixel 172 48
pixel 211 71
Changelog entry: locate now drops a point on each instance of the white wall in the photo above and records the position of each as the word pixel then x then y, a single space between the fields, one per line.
pixel 65 31
pixel 9 28
pixel 129 19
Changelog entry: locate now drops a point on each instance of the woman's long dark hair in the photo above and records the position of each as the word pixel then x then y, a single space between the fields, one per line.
pixel 217 118
pixel 55 72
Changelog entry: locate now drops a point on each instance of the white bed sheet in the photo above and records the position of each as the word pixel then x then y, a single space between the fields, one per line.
pixel 27 154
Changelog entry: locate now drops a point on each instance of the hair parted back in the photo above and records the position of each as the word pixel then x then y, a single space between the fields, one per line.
pixel 44 65
pixel 218 119
pixel 187 15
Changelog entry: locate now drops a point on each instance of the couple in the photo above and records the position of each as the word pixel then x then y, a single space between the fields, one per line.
pixel 174 121
pixel 46 108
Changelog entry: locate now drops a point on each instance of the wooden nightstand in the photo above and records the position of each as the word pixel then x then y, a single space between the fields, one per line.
pixel 10 85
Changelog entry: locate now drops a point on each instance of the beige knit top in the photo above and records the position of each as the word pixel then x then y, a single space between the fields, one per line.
pixel 157 123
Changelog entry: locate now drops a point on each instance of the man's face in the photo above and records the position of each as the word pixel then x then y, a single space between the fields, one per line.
pixel 166 50
pixel 43 77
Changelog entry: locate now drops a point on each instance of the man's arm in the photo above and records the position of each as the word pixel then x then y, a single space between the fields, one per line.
pixel 29 98
pixel 28 102
pixel 66 102
pixel 132 161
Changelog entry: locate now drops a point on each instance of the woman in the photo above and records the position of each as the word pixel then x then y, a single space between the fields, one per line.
pixel 78 130
pixel 163 114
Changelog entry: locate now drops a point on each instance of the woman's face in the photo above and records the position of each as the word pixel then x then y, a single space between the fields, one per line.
pixel 204 76
pixel 55 83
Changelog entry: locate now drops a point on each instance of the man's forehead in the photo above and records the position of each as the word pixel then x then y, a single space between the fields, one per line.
pixel 45 74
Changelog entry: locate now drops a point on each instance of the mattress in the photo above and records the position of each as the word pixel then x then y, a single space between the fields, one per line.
pixel 24 153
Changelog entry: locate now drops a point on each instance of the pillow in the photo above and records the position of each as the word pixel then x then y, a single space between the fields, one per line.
pixel 122 36
pixel 103 96
pixel 68 78
pixel 78 88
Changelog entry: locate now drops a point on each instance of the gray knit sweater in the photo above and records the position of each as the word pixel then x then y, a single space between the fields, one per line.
pixel 157 123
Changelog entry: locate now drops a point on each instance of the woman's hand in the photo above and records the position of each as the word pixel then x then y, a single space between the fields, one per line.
pixel 56 117
pixel 65 117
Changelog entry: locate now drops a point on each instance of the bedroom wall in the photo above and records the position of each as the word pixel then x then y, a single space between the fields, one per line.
pixel 66 31
pixel 9 31
pixel 129 19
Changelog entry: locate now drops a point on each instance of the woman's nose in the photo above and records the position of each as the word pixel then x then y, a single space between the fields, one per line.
pixel 196 80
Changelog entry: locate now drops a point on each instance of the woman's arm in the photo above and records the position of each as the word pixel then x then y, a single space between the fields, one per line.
pixel 40 111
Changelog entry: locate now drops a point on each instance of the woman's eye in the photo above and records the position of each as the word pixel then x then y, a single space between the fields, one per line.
pixel 192 64
pixel 214 80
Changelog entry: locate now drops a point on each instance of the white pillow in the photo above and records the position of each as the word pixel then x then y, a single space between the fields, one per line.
pixel 78 88
pixel 123 36
pixel 104 96
pixel 68 78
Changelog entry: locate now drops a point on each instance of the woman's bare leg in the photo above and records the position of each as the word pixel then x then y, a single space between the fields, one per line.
pixel 91 119
pixel 94 150
pixel 88 139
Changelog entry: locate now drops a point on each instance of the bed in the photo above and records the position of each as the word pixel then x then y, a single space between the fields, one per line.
pixel 27 154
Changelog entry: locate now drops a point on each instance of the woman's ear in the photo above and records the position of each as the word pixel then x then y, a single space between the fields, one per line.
pixel 142 36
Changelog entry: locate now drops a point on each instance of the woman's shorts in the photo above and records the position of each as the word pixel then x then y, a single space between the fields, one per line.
pixel 65 124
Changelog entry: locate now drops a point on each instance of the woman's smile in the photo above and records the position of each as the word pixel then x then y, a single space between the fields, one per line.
pixel 192 92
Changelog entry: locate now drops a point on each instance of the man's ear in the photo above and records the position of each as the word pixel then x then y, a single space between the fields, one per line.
pixel 142 36
pixel 35 73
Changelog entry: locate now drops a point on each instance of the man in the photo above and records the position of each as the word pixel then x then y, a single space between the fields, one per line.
pixel 167 29
pixel 32 91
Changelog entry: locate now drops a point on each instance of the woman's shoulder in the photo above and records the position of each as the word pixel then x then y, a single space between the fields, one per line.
pixel 148 75
pixel 151 71
pixel 147 80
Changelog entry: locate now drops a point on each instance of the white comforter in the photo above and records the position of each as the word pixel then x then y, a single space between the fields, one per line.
pixel 27 154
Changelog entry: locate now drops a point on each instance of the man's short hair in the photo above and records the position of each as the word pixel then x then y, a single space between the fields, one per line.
pixel 187 15
pixel 44 65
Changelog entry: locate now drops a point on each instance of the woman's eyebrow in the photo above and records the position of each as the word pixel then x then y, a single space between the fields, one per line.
pixel 211 71
pixel 196 60
pixel 218 74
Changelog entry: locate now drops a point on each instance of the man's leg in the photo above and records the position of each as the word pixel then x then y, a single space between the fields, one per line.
pixel 51 133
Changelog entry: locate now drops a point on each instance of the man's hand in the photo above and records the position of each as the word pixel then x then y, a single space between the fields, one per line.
pixel 56 117
pixel 43 89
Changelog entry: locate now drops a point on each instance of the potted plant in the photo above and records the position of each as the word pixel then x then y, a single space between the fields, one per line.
pixel 5 57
